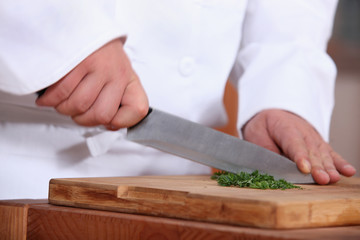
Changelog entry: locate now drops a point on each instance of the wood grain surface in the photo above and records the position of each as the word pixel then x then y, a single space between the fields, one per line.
pixel 46 221
pixel 200 198
pixel 52 222
pixel 13 218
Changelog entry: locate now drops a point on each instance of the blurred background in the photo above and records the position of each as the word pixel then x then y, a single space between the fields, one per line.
pixel 344 48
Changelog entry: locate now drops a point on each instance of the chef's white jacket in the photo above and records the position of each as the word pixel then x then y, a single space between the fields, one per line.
pixel 274 52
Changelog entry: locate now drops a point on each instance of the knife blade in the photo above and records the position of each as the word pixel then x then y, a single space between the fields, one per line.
pixel 210 147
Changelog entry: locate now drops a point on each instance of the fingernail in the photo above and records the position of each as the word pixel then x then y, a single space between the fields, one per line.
pixel 306 166
pixel 349 166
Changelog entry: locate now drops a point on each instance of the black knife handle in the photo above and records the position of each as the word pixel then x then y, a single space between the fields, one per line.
pixel 150 110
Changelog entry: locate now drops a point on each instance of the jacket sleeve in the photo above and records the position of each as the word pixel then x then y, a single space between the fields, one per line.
pixel 283 60
pixel 41 41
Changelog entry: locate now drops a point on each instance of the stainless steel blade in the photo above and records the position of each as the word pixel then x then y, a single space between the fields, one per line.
pixel 212 148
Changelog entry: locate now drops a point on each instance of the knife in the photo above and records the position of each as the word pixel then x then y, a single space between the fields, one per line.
pixel 210 147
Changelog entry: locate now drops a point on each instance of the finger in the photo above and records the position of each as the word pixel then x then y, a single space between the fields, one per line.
pixel 332 172
pixel 61 90
pixel 296 150
pixel 317 159
pixel 292 143
pixel 83 96
pixel 328 163
pixel 134 106
pixel 342 165
pixel 319 175
pixel 104 108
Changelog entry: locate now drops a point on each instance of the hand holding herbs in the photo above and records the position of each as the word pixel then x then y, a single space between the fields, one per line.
pixel 251 180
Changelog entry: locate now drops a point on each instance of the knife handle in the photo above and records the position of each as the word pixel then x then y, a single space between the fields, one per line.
pixel 149 111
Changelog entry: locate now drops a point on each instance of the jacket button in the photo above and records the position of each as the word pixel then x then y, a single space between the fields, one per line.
pixel 186 66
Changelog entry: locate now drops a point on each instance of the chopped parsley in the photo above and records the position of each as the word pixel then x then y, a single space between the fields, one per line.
pixel 251 180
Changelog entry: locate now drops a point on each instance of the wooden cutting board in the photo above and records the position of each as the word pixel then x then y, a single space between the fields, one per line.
pixel 200 198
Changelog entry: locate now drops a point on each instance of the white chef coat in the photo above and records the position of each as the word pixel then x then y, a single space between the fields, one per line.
pixel 183 51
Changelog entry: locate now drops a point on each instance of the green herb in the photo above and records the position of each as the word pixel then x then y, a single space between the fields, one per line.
pixel 251 180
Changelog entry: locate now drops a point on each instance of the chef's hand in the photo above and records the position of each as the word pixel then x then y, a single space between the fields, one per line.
pixel 286 133
pixel 93 91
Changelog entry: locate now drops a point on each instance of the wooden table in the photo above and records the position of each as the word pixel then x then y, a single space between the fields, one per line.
pixel 36 219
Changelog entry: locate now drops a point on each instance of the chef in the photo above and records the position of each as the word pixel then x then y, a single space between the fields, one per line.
pixel 87 58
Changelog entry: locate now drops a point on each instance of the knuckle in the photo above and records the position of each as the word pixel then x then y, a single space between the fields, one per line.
pixel 118 123
pixel 142 110
pixel 81 106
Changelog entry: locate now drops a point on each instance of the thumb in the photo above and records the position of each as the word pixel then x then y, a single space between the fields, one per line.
pixel 134 106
